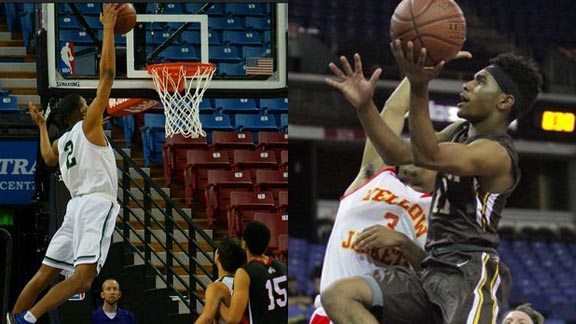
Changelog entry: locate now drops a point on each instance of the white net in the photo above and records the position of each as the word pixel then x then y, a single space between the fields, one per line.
pixel 181 89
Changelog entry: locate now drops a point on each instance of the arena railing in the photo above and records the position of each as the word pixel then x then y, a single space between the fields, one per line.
pixel 170 228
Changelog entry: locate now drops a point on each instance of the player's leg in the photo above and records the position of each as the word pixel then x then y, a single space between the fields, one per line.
pixel 80 281
pixel 469 287
pixel 45 275
pixel 348 301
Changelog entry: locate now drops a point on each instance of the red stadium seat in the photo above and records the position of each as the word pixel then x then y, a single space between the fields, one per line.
pixel 243 205
pixel 284 160
pixel 220 183
pixel 196 173
pixel 283 201
pixel 275 224
pixel 174 150
pixel 282 254
pixel 252 160
pixel 272 141
pixel 229 141
pixel 271 180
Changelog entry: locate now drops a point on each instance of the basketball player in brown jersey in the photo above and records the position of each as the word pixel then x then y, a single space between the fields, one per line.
pixel 462 280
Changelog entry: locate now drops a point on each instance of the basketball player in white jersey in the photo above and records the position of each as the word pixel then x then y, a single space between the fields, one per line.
pixel 79 248
pixel 382 216
pixel 228 258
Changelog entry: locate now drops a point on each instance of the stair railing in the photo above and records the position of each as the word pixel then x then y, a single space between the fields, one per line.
pixel 194 233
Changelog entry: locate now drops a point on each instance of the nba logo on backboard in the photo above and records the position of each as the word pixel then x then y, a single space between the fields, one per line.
pixel 78 297
pixel 67 58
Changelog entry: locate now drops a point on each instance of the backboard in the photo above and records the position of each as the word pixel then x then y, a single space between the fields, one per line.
pixel 246 41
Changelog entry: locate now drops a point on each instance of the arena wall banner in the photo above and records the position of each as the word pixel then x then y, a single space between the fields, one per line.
pixel 17 171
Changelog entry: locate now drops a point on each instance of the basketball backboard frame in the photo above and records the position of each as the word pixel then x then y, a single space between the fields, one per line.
pixel 138 83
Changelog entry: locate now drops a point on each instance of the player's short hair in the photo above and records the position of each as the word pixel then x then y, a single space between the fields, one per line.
pixel 66 106
pixel 232 256
pixel 110 279
pixel 524 73
pixel 534 315
pixel 257 237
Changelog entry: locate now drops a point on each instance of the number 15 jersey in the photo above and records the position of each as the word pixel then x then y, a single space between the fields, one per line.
pixel 268 292
pixel 381 200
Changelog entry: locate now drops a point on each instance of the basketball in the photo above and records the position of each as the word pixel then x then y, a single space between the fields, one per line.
pixel 126 19
pixel 437 25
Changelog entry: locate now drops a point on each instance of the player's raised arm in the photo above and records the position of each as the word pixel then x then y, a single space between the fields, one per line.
pixel 49 151
pixel 93 122
pixel 359 92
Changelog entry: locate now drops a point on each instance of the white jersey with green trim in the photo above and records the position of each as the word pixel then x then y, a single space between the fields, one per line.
pixel 87 168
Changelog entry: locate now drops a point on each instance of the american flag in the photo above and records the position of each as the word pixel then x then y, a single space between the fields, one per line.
pixel 259 66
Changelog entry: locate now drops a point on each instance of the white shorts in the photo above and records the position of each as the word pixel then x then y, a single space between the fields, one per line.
pixel 85 234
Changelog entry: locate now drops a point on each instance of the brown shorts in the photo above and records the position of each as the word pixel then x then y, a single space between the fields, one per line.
pixel 454 288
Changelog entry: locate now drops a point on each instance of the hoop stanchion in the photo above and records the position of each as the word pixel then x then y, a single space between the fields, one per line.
pixel 181 87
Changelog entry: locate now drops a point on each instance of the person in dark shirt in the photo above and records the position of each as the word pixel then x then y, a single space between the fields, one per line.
pixel 110 312
pixel 461 279
pixel 260 286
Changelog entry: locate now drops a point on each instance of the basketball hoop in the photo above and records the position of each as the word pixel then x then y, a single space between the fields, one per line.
pixel 181 87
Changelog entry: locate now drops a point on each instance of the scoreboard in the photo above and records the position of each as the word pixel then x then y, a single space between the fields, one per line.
pixel 555 123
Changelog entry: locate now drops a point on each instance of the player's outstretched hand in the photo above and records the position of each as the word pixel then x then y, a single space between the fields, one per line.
pixel 36 114
pixel 109 14
pixel 352 83
pixel 378 236
pixel 413 67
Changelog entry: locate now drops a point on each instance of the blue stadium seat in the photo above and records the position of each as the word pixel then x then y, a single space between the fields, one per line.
pixel 226 23
pixel 9 104
pixel 193 37
pixel 153 137
pixel 274 105
pixel 215 122
pixel 205 106
pixel 257 23
pixel 267 37
pixel 241 37
pixel 89 8
pixel 178 53
pixel 71 22
pixel 77 36
pixel 237 105
pixel 256 51
pixel 246 9
pixel 255 123
pixel 192 8
pixel 224 54
pixel 284 122
pixel 174 9
pixel 230 69
pixel 64 9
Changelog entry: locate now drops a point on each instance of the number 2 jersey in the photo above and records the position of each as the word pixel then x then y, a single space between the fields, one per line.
pixel 381 200
pixel 86 167
pixel 268 302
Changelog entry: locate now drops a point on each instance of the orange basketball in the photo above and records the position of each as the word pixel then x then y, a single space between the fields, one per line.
pixel 126 19
pixel 437 25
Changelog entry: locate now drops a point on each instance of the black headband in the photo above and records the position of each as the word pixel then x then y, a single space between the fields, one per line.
pixel 506 83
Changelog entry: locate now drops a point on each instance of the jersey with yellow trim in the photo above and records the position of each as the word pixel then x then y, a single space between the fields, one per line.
pixel 86 167
pixel 461 212
pixel 381 200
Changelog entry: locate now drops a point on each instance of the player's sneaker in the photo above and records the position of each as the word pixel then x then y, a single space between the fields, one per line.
pixel 16 319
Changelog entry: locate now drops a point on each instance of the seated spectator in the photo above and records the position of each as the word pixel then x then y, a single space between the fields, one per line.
pixel 110 312
pixel 523 314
